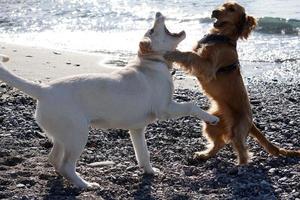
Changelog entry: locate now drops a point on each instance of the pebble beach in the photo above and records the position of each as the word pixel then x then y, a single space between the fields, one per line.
pixel 26 174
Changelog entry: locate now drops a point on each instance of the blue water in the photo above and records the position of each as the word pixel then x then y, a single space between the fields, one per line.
pixel 115 27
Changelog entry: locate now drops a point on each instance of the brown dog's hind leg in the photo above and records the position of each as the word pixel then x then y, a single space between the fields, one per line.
pixel 216 142
pixel 242 151
pixel 238 142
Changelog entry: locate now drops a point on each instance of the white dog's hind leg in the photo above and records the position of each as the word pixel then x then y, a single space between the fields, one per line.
pixel 56 155
pixel 176 110
pixel 141 151
pixel 74 144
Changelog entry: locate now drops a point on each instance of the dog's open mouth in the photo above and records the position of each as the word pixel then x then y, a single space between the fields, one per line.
pixel 218 22
pixel 174 34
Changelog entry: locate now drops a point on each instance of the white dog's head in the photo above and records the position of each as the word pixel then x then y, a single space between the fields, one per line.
pixel 158 39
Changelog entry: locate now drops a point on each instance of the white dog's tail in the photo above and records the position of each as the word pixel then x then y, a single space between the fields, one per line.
pixel 30 88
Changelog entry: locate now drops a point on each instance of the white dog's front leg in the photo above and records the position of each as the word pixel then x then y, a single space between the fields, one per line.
pixel 176 110
pixel 141 151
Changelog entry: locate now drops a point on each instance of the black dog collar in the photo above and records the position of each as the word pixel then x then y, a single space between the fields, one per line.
pixel 213 39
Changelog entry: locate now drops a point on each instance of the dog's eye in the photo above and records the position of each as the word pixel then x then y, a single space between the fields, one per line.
pixel 151 31
pixel 231 9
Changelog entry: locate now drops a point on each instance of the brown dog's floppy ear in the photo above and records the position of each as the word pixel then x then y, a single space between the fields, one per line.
pixel 145 46
pixel 249 24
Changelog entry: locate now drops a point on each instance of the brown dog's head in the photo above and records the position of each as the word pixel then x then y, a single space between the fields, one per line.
pixel 232 20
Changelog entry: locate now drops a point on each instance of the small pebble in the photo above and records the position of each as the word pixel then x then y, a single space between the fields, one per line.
pixel 3 85
pixel 57 53
pixel 20 185
pixel 102 163
pixel 272 170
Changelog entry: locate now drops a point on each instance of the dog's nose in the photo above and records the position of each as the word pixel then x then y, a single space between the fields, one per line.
pixel 158 14
pixel 215 13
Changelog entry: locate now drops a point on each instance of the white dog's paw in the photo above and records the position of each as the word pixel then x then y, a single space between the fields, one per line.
pixel 213 120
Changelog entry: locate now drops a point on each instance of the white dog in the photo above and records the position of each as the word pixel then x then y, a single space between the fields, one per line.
pixel 129 98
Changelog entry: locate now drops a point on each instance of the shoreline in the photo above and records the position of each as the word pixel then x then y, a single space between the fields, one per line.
pixel 44 65
pixel 41 64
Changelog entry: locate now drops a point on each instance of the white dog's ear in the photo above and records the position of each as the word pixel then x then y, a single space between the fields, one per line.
pixel 145 46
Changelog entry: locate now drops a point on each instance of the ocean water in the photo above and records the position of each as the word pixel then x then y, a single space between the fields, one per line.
pixel 115 28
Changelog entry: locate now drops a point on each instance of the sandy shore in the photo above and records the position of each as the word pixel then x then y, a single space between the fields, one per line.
pixel 40 64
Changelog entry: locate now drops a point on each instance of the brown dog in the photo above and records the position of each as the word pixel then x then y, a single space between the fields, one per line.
pixel 214 61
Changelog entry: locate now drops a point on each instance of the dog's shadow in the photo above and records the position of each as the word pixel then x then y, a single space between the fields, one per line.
pixel 144 188
pixel 252 179
pixel 58 191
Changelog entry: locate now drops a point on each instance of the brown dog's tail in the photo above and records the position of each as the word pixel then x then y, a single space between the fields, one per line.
pixel 269 147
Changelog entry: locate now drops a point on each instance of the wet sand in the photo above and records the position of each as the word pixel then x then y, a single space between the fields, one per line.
pixel 40 64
